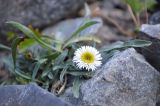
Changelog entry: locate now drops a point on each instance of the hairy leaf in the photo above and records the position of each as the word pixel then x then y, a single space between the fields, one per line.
pixel 80 73
pixel 63 72
pixel 127 44
pixel 36 68
pixel 61 57
pixel 80 39
pixel 76 87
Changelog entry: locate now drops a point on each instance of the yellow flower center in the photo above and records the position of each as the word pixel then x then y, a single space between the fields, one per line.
pixel 87 57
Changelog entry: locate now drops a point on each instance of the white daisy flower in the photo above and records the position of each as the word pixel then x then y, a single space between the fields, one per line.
pixel 87 57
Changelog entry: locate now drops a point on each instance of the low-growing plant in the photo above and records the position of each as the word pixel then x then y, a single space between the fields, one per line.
pixel 53 64
pixel 136 7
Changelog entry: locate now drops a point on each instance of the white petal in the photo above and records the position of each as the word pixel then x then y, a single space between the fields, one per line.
pixel 88 66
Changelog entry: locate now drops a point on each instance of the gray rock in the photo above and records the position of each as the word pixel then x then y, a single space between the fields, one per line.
pixel 151 53
pixel 65 29
pixel 38 13
pixel 155 18
pixel 125 80
pixel 110 4
pixel 28 95
pixel 108 35
pixel 151 30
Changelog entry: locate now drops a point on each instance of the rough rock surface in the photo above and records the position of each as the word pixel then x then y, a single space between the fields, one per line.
pixel 38 13
pixel 28 95
pixel 151 53
pixel 125 80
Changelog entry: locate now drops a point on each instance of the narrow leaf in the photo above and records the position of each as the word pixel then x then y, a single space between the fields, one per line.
pixel 58 67
pixel 80 39
pixel 14 50
pixel 61 57
pixel 113 46
pixel 63 73
pixel 29 33
pixel 22 28
pixel 52 56
pixel 23 75
pixel 45 72
pixel 127 44
pixel 83 27
pixel 76 87
pixel 5 47
pixel 36 68
pixel 80 73
pixel 50 75
pixel 137 43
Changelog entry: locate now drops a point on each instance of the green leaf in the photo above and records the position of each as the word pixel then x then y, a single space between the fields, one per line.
pixel 14 50
pixel 136 5
pixel 58 67
pixel 22 28
pixel 137 43
pixel 127 44
pixel 25 44
pixel 61 57
pixel 50 75
pixel 83 27
pixel 139 5
pixel 52 56
pixel 81 38
pixel 45 72
pixel 63 72
pixel 22 80
pixel 80 73
pixel 22 74
pixel 9 64
pixel 76 87
pixel 11 35
pixel 50 40
pixel 107 55
pixel 3 47
pixel 36 68
pixel 113 46
pixel 29 33
pixel 150 3
pixel 47 69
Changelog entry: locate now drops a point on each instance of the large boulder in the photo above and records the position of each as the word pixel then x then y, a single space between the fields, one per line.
pixel 28 95
pixel 151 53
pixel 125 80
pixel 38 13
